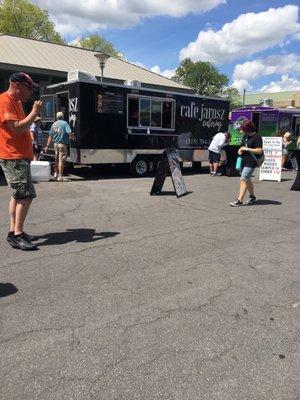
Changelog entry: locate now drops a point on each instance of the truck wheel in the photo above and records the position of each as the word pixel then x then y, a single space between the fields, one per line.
pixel 140 167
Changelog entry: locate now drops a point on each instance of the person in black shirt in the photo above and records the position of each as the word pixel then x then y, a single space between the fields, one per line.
pixel 250 150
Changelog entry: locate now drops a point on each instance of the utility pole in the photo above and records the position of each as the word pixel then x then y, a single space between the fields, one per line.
pixel 244 95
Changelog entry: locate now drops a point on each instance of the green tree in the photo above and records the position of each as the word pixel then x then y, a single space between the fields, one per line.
pixel 96 42
pixel 21 18
pixel 204 77
pixel 233 95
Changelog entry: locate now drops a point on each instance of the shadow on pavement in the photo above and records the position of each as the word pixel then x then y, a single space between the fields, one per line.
pixel 107 172
pixel 118 172
pixel 267 202
pixel 169 193
pixel 96 173
pixel 75 235
pixel 6 289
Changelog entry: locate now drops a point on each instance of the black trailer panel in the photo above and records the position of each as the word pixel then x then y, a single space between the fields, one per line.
pixel 115 123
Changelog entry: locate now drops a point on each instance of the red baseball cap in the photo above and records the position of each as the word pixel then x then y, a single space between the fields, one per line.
pixel 21 77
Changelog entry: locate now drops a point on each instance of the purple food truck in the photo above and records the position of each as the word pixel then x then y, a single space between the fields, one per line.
pixel 269 121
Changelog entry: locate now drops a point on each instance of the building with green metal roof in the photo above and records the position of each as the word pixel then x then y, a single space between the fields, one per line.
pixel 279 99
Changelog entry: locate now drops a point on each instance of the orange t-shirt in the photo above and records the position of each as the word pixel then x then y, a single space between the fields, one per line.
pixel 13 146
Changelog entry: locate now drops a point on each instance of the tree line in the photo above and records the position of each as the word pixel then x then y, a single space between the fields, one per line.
pixel 22 18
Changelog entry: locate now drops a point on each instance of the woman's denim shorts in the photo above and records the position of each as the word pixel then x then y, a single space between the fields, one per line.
pixel 246 173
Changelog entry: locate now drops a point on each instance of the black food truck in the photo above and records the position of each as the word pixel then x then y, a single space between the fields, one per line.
pixel 130 124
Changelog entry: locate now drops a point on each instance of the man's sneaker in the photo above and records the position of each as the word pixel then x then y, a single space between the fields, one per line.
pixel 236 203
pixel 29 238
pixel 55 175
pixel 9 237
pixel 63 179
pixel 251 200
pixel 20 242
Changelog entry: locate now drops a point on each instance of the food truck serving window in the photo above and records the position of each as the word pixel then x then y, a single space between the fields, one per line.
pixel 48 108
pixel 156 113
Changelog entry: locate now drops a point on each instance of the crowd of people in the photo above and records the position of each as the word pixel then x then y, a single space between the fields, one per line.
pixel 21 140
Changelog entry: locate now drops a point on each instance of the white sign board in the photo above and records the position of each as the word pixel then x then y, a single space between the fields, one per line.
pixel 271 168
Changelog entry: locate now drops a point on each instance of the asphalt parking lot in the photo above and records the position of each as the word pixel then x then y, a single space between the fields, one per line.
pixel 139 297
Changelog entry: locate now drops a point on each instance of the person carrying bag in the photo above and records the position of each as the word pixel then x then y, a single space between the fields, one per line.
pixel 251 154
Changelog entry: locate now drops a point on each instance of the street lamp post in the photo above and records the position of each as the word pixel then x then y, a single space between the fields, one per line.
pixel 102 58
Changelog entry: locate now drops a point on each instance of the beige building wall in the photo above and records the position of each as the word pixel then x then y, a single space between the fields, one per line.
pixel 294 101
pixel 280 99
pixel 285 103
pixel 297 100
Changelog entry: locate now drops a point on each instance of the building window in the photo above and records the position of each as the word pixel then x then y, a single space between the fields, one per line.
pixel 48 109
pixel 133 112
pixel 144 112
pixel 155 113
pixel 167 115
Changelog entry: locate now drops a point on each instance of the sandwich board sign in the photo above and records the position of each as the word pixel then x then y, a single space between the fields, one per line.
pixel 271 168
pixel 169 165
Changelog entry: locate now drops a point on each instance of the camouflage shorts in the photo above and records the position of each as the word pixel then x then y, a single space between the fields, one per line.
pixel 61 152
pixel 18 177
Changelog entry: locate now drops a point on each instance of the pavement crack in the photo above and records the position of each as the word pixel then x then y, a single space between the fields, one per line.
pixel 41 330
pixel 170 312
pixel 149 322
pixel 109 367
pixel 122 288
pixel 128 242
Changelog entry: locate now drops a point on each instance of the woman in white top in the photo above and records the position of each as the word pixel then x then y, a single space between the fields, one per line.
pixel 286 141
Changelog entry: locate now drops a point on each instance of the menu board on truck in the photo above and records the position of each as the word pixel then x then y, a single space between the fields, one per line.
pixel 109 103
pixel 271 168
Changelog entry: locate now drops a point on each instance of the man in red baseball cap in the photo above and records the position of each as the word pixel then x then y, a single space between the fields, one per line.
pixel 16 154
pixel 24 79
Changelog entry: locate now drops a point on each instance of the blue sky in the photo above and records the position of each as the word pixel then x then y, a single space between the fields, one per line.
pixel 255 43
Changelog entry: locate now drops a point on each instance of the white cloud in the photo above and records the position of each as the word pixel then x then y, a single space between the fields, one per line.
pixel 73 17
pixel 139 64
pixel 296 36
pixel 241 84
pixel 168 73
pixel 284 85
pixel 275 64
pixel 246 35
pixel 75 42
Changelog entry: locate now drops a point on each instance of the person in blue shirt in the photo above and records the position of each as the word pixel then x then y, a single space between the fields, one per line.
pixel 60 133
